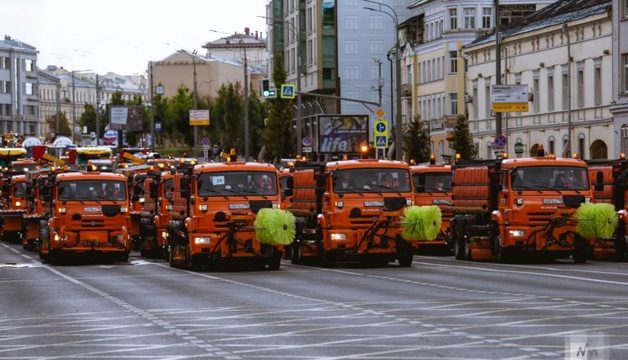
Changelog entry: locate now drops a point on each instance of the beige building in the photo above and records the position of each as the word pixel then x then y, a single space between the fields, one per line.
pixel 619 109
pixel 565 93
pixel 433 78
pixel 178 69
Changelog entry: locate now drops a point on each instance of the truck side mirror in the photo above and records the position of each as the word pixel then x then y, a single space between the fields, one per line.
pixel 289 182
pixel 185 183
pixel 599 181
pixel 288 192
pixel 152 188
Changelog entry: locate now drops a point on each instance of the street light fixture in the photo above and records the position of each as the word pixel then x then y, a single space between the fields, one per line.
pixel 398 125
pixel 246 94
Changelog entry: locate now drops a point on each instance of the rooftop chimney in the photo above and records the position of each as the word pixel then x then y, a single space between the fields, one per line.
pixel 256 35
pixel 7 37
pixel 247 31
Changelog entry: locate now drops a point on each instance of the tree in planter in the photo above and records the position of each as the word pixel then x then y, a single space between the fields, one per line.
pixel 416 141
pixel 461 141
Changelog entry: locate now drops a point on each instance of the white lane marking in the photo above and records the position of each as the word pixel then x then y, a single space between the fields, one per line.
pixel 501 271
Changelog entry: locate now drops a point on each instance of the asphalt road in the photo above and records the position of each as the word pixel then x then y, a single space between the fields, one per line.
pixel 439 308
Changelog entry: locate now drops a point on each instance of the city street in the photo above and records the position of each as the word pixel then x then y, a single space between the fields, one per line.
pixel 438 308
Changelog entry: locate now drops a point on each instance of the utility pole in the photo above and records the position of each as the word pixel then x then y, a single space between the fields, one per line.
pixel 567 150
pixel 246 105
pixel 195 104
pixel 498 64
pixel 58 115
pixel 152 112
pixel 380 80
pixel 97 109
pixel 73 109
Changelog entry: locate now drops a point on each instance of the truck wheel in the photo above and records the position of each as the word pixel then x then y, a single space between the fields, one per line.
pixel 580 251
pixel 275 262
pixel 620 242
pixel 124 257
pixel 405 258
pixel 296 258
pixel 191 262
pixel 458 240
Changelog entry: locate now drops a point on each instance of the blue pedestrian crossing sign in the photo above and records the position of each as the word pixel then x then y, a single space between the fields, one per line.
pixel 288 91
pixel 381 142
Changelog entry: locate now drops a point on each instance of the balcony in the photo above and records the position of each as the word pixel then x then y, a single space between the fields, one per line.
pixel 406 90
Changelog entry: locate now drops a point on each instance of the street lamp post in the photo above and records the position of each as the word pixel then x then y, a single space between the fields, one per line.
pixel 247 140
pixel 398 124
pixel 194 102
pixel 296 34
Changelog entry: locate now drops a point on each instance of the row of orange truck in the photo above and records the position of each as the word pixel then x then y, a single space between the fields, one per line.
pixel 366 210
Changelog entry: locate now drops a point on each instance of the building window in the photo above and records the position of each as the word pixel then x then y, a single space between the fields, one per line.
pixel 486 18
pixel 453 19
pixel 487 98
pixel 475 102
pixel 376 22
pixel 624 8
pixel 376 47
pixel 453 103
pixel 453 62
pixel 580 82
pixel 551 145
pixel 4 62
pixel 566 88
pixel 351 23
pixel 581 147
pixel 469 18
pixel 550 92
pixel 624 85
pixel 5 87
pixel 28 65
pixel 535 94
pixel 309 20
pixel 597 85
pixel 352 47
pixel 352 73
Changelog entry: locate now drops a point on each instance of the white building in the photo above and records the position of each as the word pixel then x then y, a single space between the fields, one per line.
pixel 620 73
pixel 563 92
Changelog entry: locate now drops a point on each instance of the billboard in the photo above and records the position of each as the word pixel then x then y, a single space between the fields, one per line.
pixel 342 133
pixel 126 117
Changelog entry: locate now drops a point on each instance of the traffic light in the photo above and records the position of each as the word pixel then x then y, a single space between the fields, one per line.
pixel 267 92
pixel 265 85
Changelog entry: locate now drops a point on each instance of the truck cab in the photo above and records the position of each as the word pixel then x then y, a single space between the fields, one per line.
pixel 432 186
pixel 351 210
pixel 14 194
pixel 521 207
pixel 223 201
pixel 90 215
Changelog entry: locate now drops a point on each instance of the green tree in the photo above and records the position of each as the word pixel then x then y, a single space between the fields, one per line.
pixel 88 118
pixel 416 141
pixel 177 122
pixel 257 113
pixel 64 126
pixel 229 116
pixel 462 141
pixel 278 135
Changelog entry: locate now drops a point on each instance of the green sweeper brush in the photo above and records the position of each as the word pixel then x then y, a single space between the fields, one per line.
pixel 275 227
pixel 421 222
pixel 596 220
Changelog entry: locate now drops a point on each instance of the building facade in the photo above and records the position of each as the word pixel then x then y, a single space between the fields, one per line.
pixel 564 56
pixel 231 48
pixel 620 73
pixel 433 76
pixel 19 100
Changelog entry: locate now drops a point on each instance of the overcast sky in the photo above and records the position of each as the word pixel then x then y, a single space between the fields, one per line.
pixel 123 35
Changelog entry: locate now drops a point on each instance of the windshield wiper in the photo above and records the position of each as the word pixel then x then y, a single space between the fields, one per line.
pixel 387 188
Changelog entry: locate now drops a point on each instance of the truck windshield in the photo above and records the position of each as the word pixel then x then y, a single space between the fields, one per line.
pixel 550 178
pixel 371 180
pixel 92 190
pixel 19 190
pixel 237 183
pixel 432 182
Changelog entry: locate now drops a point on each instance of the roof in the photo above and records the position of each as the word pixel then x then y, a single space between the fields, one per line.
pixel 237 40
pixel 11 43
pixel 540 161
pixel 430 169
pixel 234 166
pixel 559 12
pixel 91 176
pixel 366 163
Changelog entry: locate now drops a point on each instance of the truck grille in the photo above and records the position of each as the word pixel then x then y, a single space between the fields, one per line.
pixel 539 217
pixel 96 223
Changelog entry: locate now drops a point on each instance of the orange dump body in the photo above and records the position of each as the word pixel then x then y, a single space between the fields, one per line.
pixel 432 186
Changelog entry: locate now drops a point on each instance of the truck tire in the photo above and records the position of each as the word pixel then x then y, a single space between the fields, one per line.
pixel 620 242
pixel 581 250
pixel 44 239
pixel 275 262
pixel 191 262
pixel 297 258
pixel 458 240
pixel 405 258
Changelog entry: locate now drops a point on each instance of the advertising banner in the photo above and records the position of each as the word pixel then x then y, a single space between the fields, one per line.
pixel 342 133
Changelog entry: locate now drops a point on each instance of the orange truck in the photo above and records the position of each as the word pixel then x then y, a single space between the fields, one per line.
pixel 521 207
pixel 37 209
pixel 223 203
pixel 89 215
pixel 609 179
pixel 351 210
pixel 14 194
pixel 161 204
pixel 432 186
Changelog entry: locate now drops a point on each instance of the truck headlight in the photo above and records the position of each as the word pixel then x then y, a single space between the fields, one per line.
pixel 202 207
pixel 519 201
pixel 276 206
pixel 518 233
pixel 17 203
pixel 57 238
pixel 339 204
pixel 164 234
pixel 201 240
pixel 142 200
pixel 338 236
pixel 124 209
pixel 587 200
pixel 409 202
pixel 62 210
